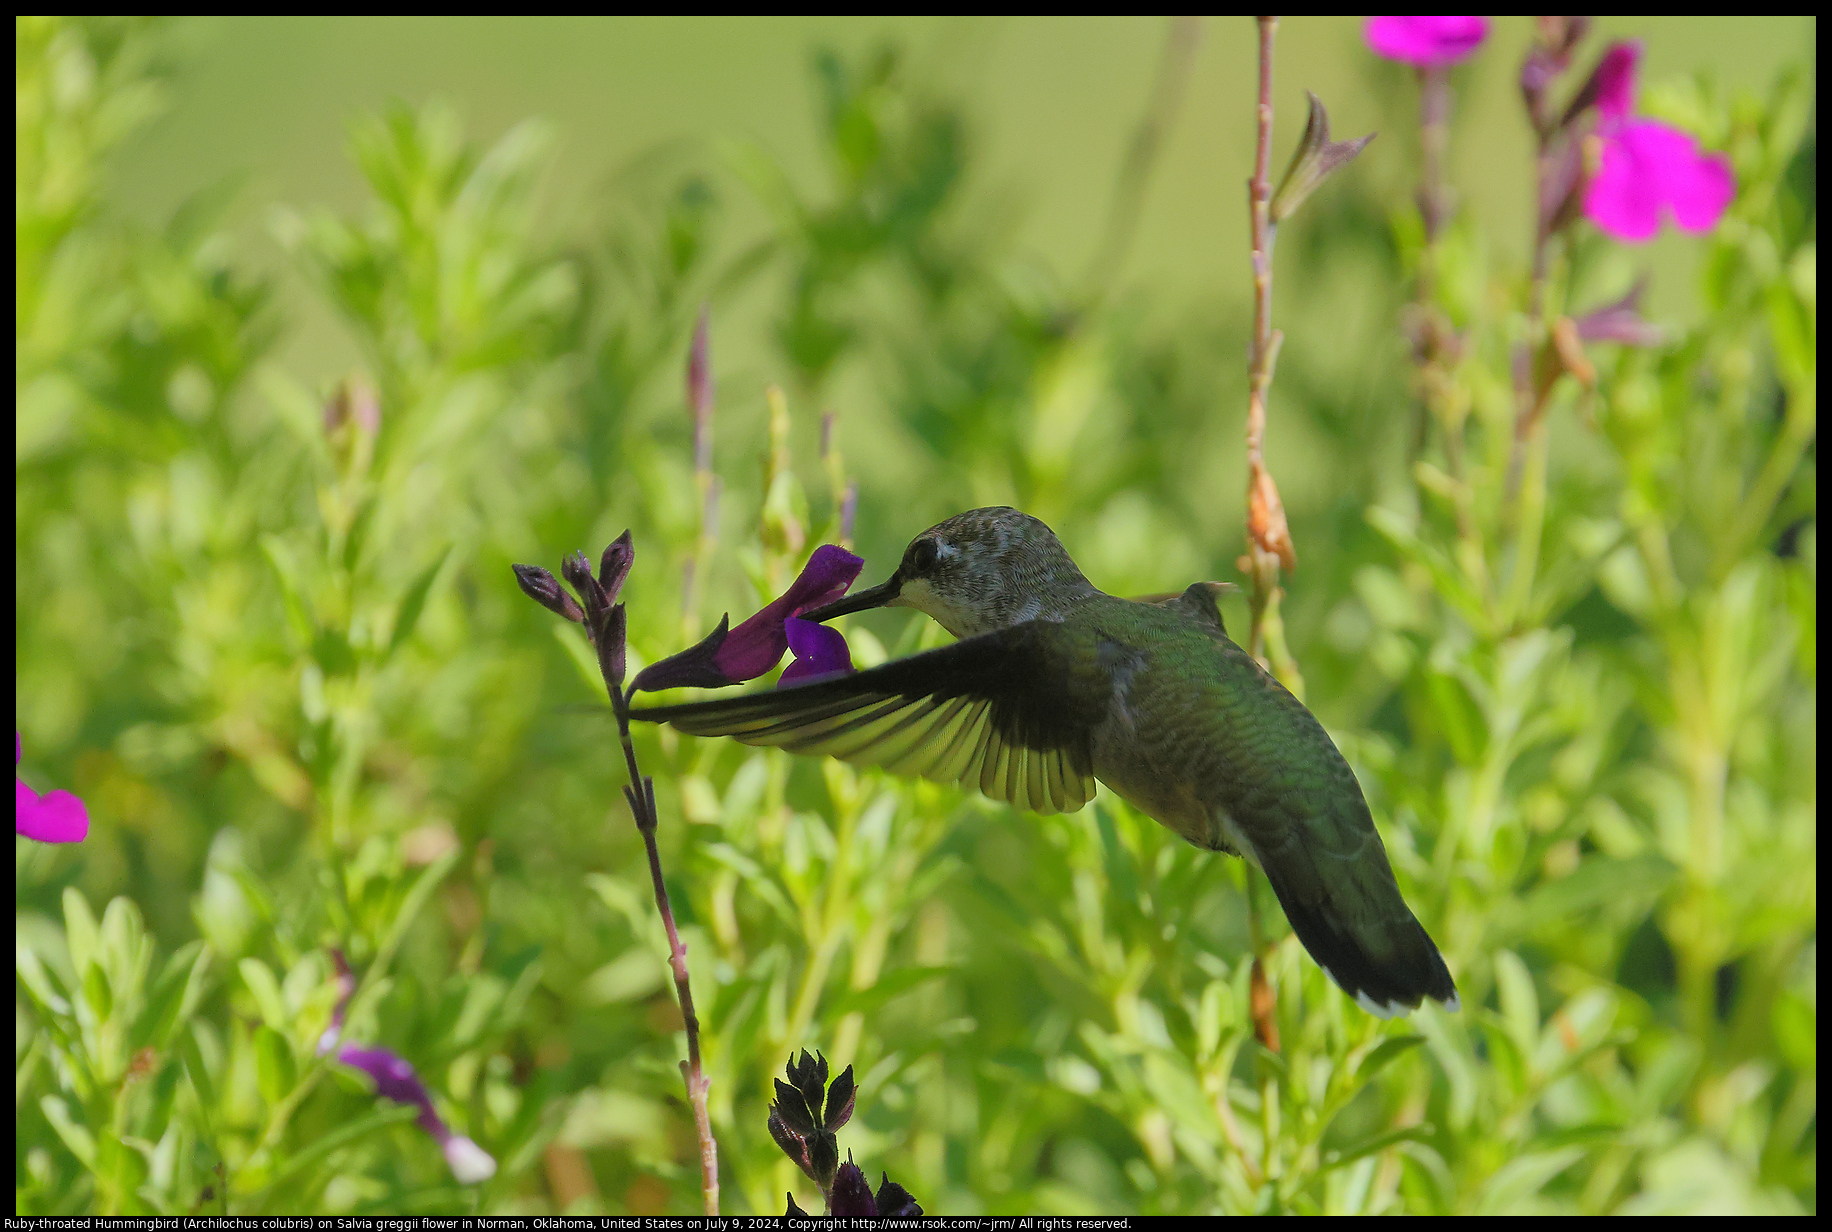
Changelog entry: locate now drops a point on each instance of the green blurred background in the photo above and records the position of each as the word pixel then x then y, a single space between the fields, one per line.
pixel 1053 103
pixel 278 649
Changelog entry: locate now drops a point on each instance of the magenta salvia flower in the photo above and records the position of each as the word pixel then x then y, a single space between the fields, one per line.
pixel 55 817
pixel 1431 41
pixel 732 656
pixel 1649 169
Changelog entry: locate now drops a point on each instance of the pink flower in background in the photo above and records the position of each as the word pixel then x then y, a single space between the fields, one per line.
pixel 55 817
pixel 1649 169
pixel 1432 41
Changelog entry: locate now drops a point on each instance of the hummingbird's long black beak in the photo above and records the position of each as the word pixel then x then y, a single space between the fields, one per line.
pixel 877 596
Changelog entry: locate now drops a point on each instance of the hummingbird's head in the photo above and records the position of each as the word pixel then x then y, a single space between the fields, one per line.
pixel 978 571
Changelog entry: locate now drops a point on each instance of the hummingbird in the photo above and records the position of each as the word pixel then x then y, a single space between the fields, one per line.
pixel 1054 685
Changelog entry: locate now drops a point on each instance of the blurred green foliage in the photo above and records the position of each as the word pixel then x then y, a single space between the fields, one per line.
pixel 267 630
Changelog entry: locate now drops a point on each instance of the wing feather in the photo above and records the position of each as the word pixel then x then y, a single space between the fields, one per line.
pixel 1004 712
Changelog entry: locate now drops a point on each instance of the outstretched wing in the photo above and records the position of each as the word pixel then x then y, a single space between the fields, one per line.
pixel 1011 713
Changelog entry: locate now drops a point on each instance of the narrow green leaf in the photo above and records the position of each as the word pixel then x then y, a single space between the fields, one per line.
pixel 80 930
pixel 300 1162
pixel 198 1073
pixel 1379 1142
pixel 261 984
pixel 38 980
pixel 275 1072
pixel 414 601
pixel 1386 1053
pixel 1523 1177
pixel 80 1141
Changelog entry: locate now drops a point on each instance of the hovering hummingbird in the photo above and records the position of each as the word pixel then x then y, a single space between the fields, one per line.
pixel 1054 685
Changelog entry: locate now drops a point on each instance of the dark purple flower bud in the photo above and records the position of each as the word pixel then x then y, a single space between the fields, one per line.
pixel 54 817
pixel 823 1159
pixel 794 1209
pixel 809 1074
pixel 756 646
pixel 1610 88
pixel 609 642
pixel 1431 41
pixel 894 1201
pixel 614 565
pixel 1621 322
pixel 545 589
pixel 793 1144
pixel 395 1079
pixel 578 574
pixel 840 1099
pixel 852 1197
pixel 792 1107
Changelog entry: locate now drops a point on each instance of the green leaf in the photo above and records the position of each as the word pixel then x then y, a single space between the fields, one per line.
pixel 1386 1053
pixel 414 601
pixel 96 992
pixel 1519 1001
pixel 304 1160
pixel 80 1141
pixel 261 984
pixel 580 654
pixel 893 984
pixel 174 998
pixel 80 930
pixel 1379 1142
pixel 198 1073
pixel 275 1073
pixel 1796 1021
pixel 38 980
pixel 1523 1177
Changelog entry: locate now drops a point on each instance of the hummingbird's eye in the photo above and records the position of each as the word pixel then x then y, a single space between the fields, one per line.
pixel 923 554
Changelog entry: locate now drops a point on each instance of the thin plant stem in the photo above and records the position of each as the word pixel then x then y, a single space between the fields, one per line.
pixel 641 797
pixel 1263 562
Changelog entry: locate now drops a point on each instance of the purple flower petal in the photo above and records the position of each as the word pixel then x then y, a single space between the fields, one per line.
pixel 756 646
pixel 819 651
pixel 55 817
pixel 1649 168
pixel 1431 41
pixel 1621 322
pixel 396 1079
